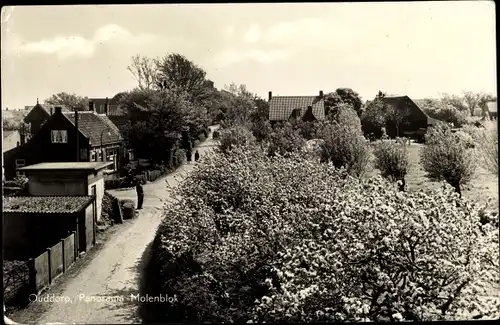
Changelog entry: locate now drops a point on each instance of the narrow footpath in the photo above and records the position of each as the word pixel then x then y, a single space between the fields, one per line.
pixel 105 289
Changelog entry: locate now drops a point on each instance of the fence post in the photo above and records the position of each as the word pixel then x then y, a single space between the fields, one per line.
pixel 75 245
pixel 50 266
pixel 63 256
pixel 32 276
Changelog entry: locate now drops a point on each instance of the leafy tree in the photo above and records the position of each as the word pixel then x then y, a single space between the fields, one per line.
pixel 376 116
pixel 70 101
pixel 177 73
pixel 447 156
pixel 392 160
pixel 445 112
pixel 343 96
pixel 9 125
pixel 145 71
pixel 285 140
pixel 235 136
pixel 344 145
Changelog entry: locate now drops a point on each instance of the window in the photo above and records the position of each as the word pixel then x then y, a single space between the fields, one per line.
pixel 99 155
pixel 92 155
pixel 59 136
pixel 20 163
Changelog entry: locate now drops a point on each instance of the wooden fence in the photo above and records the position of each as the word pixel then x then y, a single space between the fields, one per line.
pixel 38 273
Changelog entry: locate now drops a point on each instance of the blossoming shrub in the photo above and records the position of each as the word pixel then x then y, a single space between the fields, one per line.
pixel 344 144
pixel 448 156
pixel 284 140
pixel 259 238
pixel 488 149
pixel 392 159
pixel 234 136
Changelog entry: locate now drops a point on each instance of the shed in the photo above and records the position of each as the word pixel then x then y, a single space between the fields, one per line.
pixel 68 179
pixel 33 223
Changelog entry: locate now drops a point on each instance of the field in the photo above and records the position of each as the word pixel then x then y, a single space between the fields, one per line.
pixel 483 185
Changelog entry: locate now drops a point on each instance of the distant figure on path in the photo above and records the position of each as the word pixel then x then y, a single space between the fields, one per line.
pixel 188 156
pixel 196 156
pixel 140 194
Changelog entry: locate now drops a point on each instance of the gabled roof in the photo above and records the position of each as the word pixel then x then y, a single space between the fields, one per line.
pixel 398 101
pixel 45 204
pixel 93 125
pixel 121 122
pixel 45 108
pixel 281 107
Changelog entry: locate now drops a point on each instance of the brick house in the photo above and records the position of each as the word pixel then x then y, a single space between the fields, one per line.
pixel 40 114
pixel 69 137
pixel 33 223
pixel 286 108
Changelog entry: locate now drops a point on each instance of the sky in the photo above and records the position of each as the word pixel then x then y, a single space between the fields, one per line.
pixel 419 49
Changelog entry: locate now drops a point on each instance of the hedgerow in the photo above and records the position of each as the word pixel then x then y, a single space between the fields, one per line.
pixel 259 238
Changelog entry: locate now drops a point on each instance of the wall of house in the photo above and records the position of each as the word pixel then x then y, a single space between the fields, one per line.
pixel 98 181
pixel 62 185
pixel 41 149
pixel 12 141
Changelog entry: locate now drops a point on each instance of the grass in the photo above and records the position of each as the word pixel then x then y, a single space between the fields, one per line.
pixel 483 185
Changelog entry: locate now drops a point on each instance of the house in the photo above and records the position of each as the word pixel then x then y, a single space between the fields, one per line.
pixel 285 108
pixel 33 223
pixel 492 109
pixel 11 139
pixel 410 119
pixel 39 114
pixel 69 137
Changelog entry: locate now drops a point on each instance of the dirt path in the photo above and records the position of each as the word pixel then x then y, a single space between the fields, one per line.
pixel 104 289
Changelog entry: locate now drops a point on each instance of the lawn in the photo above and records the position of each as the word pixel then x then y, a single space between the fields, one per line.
pixel 483 185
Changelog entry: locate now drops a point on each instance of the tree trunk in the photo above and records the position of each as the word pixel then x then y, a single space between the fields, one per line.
pixel 456 186
pixel 402 184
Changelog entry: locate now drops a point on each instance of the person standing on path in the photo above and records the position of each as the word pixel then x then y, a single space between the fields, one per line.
pixel 196 156
pixel 189 154
pixel 140 194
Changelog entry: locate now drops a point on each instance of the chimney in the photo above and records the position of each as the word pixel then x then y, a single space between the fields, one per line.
pixel 321 94
pixel 58 110
pixel 91 106
pixel 77 138
pixel 270 95
pixel 106 107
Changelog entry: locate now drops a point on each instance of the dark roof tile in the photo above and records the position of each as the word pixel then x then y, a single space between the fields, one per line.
pixel 281 107
pixel 93 125
pixel 45 204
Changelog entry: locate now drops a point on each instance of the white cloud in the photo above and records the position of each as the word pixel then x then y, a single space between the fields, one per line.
pixel 253 34
pixel 233 55
pixel 77 46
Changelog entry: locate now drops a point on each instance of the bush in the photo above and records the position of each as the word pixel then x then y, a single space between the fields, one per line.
pixel 154 175
pixel 216 135
pixel 447 156
pixel 285 140
pixel 109 208
pixel 276 239
pixel 202 137
pixel 235 136
pixel 128 209
pixel 488 149
pixel 344 144
pixel 392 159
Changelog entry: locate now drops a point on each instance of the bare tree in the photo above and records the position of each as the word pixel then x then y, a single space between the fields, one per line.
pixel 144 70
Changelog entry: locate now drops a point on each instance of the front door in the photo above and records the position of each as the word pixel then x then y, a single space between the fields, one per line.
pixel 93 192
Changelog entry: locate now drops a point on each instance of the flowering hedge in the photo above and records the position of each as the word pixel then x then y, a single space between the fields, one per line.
pixel 392 159
pixel 259 238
